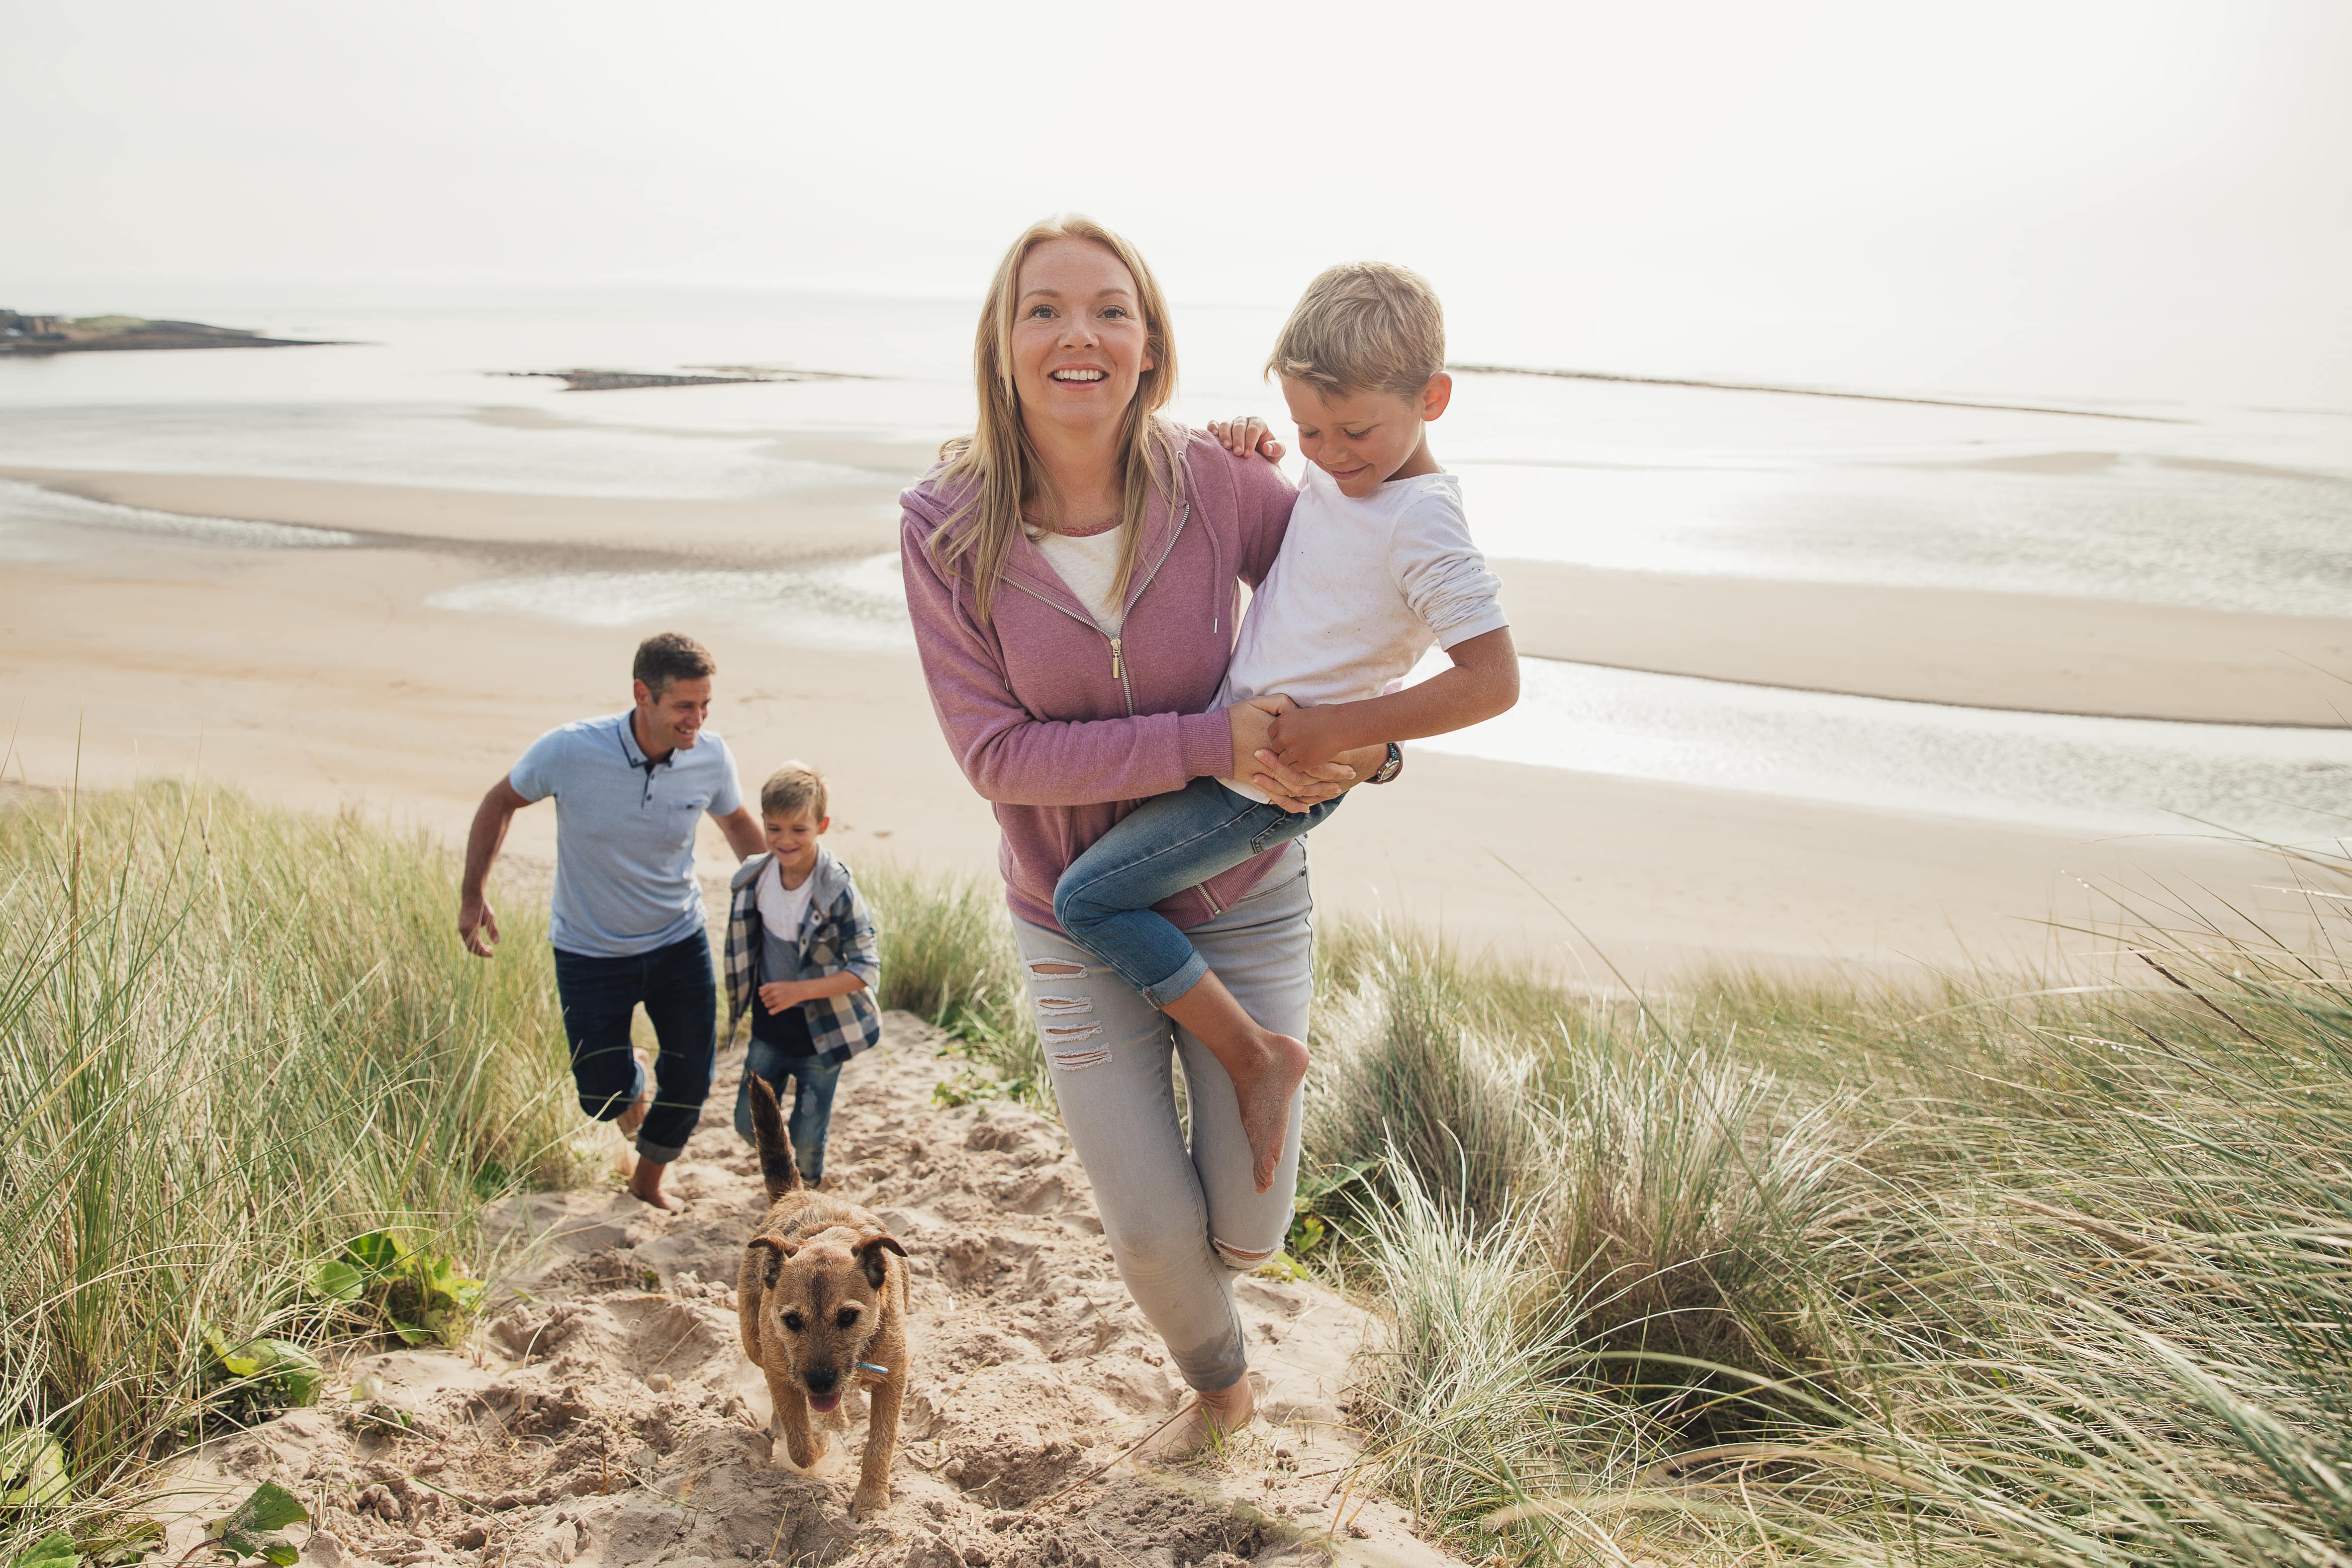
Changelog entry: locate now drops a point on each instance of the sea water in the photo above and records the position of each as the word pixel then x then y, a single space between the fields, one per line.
pixel 2148 487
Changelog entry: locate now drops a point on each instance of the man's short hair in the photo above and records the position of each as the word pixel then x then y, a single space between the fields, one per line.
pixel 1363 326
pixel 667 656
pixel 796 787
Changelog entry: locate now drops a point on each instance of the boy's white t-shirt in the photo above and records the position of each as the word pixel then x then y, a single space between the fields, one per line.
pixel 781 908
pixel 1088 565
pixel 1360 590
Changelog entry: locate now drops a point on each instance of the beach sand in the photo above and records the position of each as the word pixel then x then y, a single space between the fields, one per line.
pixel 322 678
pixel 606 1417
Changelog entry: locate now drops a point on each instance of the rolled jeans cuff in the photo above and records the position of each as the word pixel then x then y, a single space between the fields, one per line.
pixel 1192 971
pixel 660 1154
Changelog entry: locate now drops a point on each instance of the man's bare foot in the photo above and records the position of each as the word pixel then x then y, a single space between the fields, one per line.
pixel 1207 1419
pixel 1265 1095
pixel 645 1187
pixel 630 1120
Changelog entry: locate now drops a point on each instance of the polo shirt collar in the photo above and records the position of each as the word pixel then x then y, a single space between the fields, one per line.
pixel 632 750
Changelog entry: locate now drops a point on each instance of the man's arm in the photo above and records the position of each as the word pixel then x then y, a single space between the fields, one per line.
pixel 1484 682
pixel 476 926
pixel 744 835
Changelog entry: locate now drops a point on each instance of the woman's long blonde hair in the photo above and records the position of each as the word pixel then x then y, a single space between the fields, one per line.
pixel 997 466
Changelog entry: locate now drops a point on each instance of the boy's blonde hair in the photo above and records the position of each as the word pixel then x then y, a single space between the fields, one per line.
pixel 997 466
pixel 1363 326
pixel 794 787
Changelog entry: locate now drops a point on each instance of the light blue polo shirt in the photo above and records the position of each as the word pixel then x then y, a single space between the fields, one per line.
pixel 625 833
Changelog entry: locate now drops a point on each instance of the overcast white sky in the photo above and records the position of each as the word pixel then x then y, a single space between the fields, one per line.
pixel 2138 160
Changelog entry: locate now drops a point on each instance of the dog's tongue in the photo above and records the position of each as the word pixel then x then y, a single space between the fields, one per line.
pixel 822 1404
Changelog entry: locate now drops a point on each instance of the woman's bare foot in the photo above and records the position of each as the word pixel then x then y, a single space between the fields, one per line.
pixel 645 1187
pixel 1265 1067
pixel 1209 1417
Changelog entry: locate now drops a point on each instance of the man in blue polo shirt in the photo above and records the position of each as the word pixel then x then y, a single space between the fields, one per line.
pixel 626 917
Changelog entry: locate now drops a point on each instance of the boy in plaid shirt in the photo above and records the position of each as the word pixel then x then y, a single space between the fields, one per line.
pixel 802 960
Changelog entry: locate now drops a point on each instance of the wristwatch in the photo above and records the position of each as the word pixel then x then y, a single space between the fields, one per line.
pixel 1392 768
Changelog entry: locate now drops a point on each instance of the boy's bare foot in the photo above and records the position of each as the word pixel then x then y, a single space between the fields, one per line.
pixel 645 1187
pixel 1209 1417
pixel 1265 1095
pixel 1265 1067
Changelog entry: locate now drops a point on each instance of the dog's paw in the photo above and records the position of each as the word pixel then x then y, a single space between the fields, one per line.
pixel 868 1503
pixel 819 1447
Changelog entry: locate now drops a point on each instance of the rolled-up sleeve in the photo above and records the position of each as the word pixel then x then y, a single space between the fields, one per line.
pixel 1441 574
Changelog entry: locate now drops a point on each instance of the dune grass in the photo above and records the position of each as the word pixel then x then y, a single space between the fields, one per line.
pixel 232 1039
pixel 1765 1271
pixel 948 958
pixel 1776 1271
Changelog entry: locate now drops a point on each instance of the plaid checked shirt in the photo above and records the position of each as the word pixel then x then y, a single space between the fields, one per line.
pixel 837 933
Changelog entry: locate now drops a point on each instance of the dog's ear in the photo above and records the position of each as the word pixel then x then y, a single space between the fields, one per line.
pixel 869 1250
pixel 778 1250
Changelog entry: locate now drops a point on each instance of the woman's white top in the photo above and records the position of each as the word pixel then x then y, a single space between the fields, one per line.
pixel 1359 592
pixel 1089 564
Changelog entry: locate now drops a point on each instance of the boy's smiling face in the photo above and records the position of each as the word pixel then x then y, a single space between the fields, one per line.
pixel 1364 439
pixel 792 835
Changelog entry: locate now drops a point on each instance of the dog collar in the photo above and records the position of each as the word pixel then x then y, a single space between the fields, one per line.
pixel 869 1367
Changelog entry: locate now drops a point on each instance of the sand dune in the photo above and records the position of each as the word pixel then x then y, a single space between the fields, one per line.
pixel 603 1415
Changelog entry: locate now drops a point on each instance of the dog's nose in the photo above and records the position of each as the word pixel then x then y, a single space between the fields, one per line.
pixel 821 1382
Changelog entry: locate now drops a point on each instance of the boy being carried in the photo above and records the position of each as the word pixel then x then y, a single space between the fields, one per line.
pixel 802 959
pixel 1377 567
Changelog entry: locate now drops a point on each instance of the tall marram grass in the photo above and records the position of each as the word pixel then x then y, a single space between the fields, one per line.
pixel 1841 1272
pixel 231 1039
pixel 948 958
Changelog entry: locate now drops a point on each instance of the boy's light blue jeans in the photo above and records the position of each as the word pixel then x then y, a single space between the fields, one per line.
pixel 813 1082
pixel 1169 843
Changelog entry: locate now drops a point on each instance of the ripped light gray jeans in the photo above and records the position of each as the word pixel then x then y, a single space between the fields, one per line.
pixel 1181 1222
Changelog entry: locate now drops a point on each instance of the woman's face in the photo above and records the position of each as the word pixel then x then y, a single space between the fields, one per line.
pixel 1078 336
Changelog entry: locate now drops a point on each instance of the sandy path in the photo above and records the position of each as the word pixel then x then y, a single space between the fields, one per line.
pixel 603 1415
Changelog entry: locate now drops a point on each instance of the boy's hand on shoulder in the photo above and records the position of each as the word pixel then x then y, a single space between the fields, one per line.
pixel 1246 433
pixel 778 994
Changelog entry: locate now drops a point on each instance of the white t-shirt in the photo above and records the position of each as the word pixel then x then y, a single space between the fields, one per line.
pixel 781 908
pixel 1359 592
pixel 1089 564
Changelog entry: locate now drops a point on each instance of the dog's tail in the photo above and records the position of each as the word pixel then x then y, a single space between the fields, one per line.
pixel 777 1167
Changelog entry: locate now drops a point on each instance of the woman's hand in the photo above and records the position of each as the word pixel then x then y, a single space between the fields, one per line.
pixel 1255 760
pixel 1245 434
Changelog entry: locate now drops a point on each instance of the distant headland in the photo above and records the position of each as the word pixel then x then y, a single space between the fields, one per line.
pixel 21 334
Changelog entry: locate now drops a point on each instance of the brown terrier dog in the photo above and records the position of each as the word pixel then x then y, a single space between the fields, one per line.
pixel 822 1302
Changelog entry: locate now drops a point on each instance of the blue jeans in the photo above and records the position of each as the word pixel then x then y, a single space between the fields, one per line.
pixel 681 1001
pixel 813 1082
pixel 1169 843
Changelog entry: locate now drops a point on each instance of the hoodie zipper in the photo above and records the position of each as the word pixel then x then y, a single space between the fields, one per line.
pixel 1118 671
pixel 1117 654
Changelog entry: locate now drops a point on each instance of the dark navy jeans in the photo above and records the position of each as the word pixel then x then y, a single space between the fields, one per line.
pixel 1169 843
pixel 675 986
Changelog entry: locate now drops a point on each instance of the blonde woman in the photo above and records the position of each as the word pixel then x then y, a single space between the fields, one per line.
pixel 1074 572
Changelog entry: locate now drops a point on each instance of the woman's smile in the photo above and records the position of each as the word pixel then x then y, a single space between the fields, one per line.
pixel 1079 340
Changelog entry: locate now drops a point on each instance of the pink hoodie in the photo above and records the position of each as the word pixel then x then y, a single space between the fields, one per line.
pixel 1042 723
